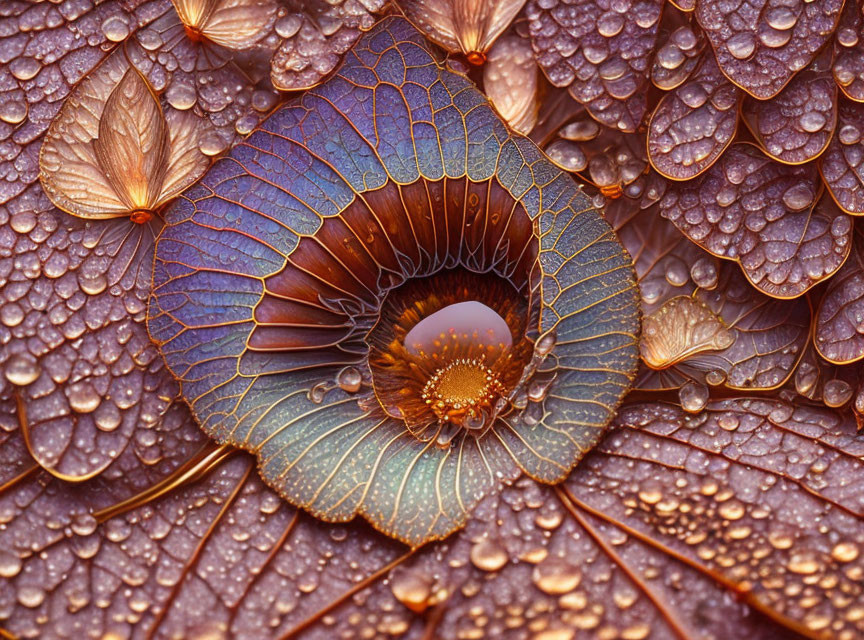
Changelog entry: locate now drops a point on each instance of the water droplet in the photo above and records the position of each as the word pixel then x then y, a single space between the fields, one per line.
pixel 731 510
pixel 82 397
pixel 181 96
pixel 670 56
pixel 693 396
pixel 116 28
pixel 704 273
pixel 24 68
pixel 580 131
pixel 693 95
pixel 613 69
pixel 13 111
pixel 83 524
pixel 212 144
pixel 782 18
pixel 349 379
pixel 556 576
pixel 545 344
pixel 488 555
pixel 567 155
pixel 22 369
pixel 845 552
pixel 798 197
pixel 610 24
pixel 741 45
pixel 31 597
pixel 412 588
pixel 803 563
pixel 93 286
pixel 288 25
pixel 774 38
pixel 10 564
pixel 836 393
pixel 849 134
pixel 812 121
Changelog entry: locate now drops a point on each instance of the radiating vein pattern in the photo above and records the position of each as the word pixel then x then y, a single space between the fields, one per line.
pixel 274 269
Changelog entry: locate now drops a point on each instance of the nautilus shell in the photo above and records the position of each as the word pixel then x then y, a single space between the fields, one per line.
pixel 393 300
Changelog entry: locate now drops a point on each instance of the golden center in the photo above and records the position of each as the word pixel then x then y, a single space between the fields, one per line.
pixel 462 389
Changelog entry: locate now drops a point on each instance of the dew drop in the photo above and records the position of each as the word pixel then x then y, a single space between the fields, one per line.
pixel 567 155
pixel 741 46
pixel 610 24
pixel 10 564
pixel 670 57
pixel 13 111
pixel 556 576
pixel 812 121
pixel 845 552
pixel 212 144
pixel 693 95
pixel 781 18
pixel 798 197
pixel 488 555
pixel 693 396
pixel 349 379
pixel 31 597
pixel 704 273
pixel 580 131
pixel 412 588
pixel 289 25
pixel 836 393
pixel 82 397
pixel 181 95
pixel 115 28
pixel 22 369
pixel 24 68
pixel 849 134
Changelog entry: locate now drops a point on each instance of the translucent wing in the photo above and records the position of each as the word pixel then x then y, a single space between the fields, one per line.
pixel 132 147
pixel 510 81
pixel 234 24
pixel 69 169
pixel 186 163
pixel 469 26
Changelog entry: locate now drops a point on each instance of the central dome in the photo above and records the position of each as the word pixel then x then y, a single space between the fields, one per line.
pixel 394 301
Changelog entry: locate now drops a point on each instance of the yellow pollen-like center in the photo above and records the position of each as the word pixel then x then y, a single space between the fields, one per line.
pixel 462 389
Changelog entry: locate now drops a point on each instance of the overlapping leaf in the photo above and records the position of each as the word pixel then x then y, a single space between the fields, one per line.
pixel 842 165
pixel 235 24
pixel 466 26
pixel 711 327
pixel 766 216
pixel 677 57
pixel 761 45
pixel 839 332
pixel 849 47
pixel 601 51
pixel 693 125
pixel 510 80
pixel 796 125
pixel 315 35
pixel 112 151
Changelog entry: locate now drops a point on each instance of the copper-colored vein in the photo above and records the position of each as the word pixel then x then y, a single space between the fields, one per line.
pixel 796 481
pixel 745 594
pixel 192 560
pixel 204 461
pixel 662 607
pixel 368 581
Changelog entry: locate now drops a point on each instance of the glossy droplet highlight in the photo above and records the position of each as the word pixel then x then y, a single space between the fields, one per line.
pixel 488 555
pixel 22 369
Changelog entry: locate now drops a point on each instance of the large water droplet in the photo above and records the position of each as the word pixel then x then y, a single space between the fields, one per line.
pixel 488 555
pixel 556 576
pixel 22 369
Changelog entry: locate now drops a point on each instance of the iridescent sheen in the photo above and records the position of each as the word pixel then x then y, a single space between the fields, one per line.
pixel 272 272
